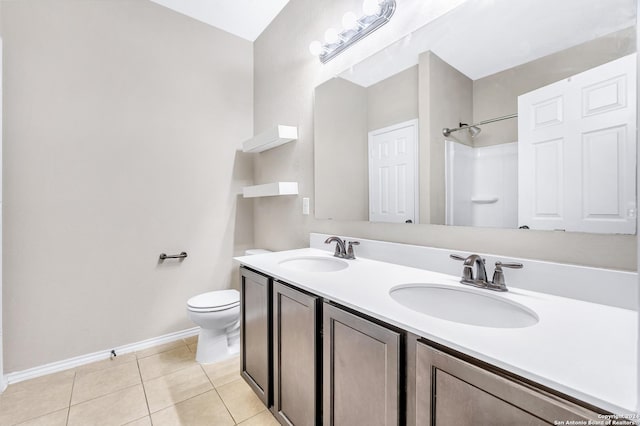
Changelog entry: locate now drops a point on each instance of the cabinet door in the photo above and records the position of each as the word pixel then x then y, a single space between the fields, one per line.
pixel 295 343
pixel 361 371
pixel 255 337
pixel 450 391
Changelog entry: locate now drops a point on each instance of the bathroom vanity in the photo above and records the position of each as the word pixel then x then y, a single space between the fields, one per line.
pixel 324 340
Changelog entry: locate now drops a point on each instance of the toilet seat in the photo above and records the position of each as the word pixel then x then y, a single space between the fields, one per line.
pixel 214 301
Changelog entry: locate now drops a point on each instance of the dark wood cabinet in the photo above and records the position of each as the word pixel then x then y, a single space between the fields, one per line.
pixel 314 362
pixel 296 339
pixel 255 332
pixel 361 370
pixel 451 391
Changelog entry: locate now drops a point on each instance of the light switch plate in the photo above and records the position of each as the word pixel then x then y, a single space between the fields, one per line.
pixel 305 206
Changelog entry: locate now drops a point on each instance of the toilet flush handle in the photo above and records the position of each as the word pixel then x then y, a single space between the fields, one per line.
pixel 164 256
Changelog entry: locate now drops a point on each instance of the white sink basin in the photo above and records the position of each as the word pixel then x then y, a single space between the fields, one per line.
pixel 314 264
pixel 474 307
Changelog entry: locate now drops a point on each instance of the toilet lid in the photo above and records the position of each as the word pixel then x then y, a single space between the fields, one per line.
pixel 215 299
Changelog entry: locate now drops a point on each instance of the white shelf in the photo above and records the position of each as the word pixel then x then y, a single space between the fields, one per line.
pixel 273 137
pixel 270 189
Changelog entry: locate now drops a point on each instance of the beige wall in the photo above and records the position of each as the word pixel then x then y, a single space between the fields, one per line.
pixel 285 76
pixel 497 95
pixel 341 129
pixel 393 100
pixel 122 122
pixel 344 113
pixel 446 99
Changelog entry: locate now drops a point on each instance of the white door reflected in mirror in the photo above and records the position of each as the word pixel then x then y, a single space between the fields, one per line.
pixel 393 177
pixel 578 152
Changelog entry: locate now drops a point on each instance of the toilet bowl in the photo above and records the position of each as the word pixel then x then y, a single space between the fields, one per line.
pixel 218 315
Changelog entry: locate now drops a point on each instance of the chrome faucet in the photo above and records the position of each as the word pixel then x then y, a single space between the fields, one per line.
pixel 341 251
pixel 479 279
pixel 341 247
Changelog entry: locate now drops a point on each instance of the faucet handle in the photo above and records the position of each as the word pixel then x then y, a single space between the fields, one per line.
pixel 457 257
pixel 498 283
pixel 350 253
pixel 514 265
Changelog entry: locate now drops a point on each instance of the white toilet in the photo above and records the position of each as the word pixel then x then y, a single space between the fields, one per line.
pixel 218 315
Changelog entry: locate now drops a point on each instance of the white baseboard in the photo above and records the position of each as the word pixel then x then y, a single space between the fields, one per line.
pixel 54 367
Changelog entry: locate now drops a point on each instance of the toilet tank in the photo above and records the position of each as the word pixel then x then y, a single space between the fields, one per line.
pixel 251 252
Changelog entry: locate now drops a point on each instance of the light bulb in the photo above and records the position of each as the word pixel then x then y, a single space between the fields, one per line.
pixel 331 35
pixel 370 7
pixel 315 47
pixel 350 21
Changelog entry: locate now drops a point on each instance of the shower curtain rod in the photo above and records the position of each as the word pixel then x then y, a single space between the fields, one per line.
pixel 446 131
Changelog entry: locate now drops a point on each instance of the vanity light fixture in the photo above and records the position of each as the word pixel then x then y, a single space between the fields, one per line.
pixel 376 14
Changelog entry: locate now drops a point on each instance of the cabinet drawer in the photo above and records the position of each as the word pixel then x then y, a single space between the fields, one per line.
pixel 450 391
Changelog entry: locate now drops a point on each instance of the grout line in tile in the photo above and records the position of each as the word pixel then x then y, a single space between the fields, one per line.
pixel 161 352
pixel 179 402
pixel 101 396
pixel 157 377
pixel 190 398
pixel 218 393
pixel 108 393
pixel 56 410
pixel 139 418
pixel 256 415
pixel 144 389
pixel 73 386
pixel 225 406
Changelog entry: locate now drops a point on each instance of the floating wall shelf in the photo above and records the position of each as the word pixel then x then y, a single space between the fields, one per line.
pixel 273 137
pixel 270 189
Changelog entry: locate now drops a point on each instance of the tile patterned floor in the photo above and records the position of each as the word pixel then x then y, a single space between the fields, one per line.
pixel 159 386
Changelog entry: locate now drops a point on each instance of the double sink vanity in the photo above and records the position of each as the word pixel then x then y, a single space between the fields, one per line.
pixel 491 114
pixel 326 340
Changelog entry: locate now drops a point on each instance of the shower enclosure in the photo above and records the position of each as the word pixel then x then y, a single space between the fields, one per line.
pixel 481 185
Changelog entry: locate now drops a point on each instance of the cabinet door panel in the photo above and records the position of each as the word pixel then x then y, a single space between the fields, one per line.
pixel 295 346
pixel 459 403
pixel 254 332
pixel 451 391
pixel 361 371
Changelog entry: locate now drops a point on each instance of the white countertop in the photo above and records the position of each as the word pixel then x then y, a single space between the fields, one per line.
pixel 582 349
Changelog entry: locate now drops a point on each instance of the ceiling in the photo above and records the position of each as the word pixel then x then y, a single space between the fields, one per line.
pixel 244 18
pixel 478 37
pixel 482 37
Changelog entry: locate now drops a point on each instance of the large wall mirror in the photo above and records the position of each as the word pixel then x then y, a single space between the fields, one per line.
pixel 496 114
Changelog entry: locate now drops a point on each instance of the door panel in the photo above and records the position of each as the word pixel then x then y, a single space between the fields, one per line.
pixel 255 338
pixel 578 152
pixel 295 334
pixel 361 366
pixel 393 186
